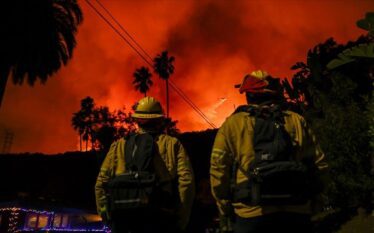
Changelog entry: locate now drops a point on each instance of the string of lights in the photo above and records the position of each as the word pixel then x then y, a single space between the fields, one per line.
pixel 26 210
pixel 144 55
pixel 14 220
pixel 66 230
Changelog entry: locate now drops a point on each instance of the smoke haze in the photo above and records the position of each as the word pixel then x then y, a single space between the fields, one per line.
pixel 215 44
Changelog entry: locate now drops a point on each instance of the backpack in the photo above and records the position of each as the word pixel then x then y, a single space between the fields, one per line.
pixel 136 187
pixel 275 177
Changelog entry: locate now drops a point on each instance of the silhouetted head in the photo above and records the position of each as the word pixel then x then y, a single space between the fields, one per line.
pixel 259 88
pixel 149 114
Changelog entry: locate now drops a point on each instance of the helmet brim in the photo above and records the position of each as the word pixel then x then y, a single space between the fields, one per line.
pixel 146 116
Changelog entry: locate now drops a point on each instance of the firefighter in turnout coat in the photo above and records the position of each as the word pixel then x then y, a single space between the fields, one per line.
pixel 172 168
pixel 234 144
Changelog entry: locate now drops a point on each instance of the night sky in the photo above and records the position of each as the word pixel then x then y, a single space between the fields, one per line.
pixel 215 44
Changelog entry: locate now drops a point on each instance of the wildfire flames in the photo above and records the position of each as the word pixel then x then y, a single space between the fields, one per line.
pixel 215 44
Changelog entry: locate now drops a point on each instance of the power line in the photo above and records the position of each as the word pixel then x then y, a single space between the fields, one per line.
pixel 184 96
pixel 174 86
pixel 123 29
pixel 178 90
pixel 115 29
pixel 197 109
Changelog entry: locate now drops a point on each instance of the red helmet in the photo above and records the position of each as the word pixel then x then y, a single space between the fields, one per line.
pixel 256 82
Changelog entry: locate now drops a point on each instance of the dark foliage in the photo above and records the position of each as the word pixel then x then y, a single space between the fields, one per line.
pixel 163 66
pixel 37 38
pixel 367 23
pixel 333 222
pixel 142 80
pixel 338 106
pixel 65 178
pixel 199 147
pixel 170 127
pixel 101 126
pixel 82 120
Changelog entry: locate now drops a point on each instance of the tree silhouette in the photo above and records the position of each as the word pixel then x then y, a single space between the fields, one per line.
pixel 37 38
pixel 363 51
pixel 163 66
pixel 125 124
pixel 103 127
pixel 337 103
pixel 78 124
pixel 142 81
pixel 87 108
pixel 100 126
pixel 83 120
pixel 367 23
pixel 170 126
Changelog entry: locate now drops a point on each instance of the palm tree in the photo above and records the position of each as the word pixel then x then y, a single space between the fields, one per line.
pixel 142 81
pixel 104 129
pixel 163 66
pixel 77 122
pixel 170 127
pixel 37 38
pixel 83 120
pixel 88 109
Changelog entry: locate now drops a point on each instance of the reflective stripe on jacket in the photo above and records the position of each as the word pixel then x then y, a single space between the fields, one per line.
pixel 234 140
pixel 178 169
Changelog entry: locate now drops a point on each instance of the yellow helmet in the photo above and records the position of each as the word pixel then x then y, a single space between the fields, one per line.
pixel 147 108
pixel 260 74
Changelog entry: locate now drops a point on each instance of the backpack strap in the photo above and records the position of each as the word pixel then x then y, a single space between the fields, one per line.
pixel 139 151
pixel 271 140
pixel 263 110
pixel 266 117
pixel 245 108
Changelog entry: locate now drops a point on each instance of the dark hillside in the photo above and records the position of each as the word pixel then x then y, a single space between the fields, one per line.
pixel 65 178
pixel 69 178
pixel 199 146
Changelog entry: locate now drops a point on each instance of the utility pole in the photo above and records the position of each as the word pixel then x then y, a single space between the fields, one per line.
pixel 8 141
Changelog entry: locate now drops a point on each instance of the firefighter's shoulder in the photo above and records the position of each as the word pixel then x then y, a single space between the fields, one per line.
pixel 167 139
pixel 236 120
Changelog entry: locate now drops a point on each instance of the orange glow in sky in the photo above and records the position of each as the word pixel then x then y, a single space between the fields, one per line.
pixel 215 43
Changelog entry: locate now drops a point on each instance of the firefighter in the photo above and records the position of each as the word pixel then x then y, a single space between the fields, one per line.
pixel 173 169
pixel 242 208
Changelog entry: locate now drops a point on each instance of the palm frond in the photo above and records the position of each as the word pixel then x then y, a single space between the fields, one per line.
pixel 39 37
pixel 352 54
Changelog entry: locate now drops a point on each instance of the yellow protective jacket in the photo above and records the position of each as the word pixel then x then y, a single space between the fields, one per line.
pixel 172 164
pixel 234 140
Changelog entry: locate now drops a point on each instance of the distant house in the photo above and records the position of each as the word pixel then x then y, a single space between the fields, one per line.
pixel 15 217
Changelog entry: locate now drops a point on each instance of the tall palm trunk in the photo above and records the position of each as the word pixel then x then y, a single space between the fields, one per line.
pixel 4 76
pixel 167 97
pixel 80 142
